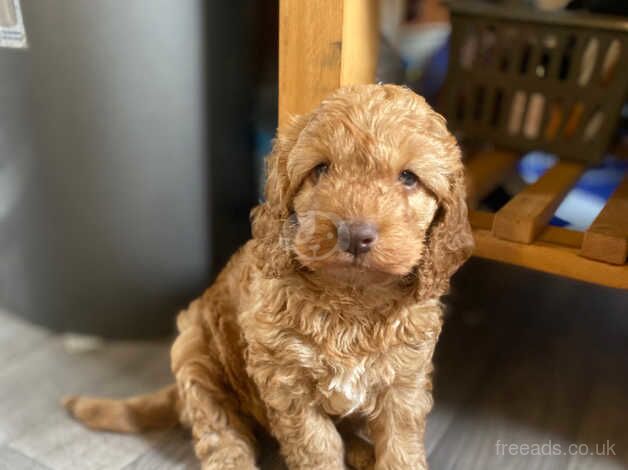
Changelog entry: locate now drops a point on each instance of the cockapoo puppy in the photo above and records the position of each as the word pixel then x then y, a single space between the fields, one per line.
pixel 321 329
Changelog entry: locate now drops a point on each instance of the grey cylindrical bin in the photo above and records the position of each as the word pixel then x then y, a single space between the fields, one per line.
pixel 103 172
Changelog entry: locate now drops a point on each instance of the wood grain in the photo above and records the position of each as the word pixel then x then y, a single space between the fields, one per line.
pixel 521 403
pixel 18 339
pixel 477 381
pixel 120 368
pixel 550 258
pixel 550 234
pixel 323 44
pixel 485 170
pixel 360 41
pixel 607 238
pixel 481 219
pixel 12 460
pixel 462 342
pixel 173 450
pixel 604 425
pixel 526 214
pixel 544 384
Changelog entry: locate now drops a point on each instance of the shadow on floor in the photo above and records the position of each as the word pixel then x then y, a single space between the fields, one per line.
pixel 549 362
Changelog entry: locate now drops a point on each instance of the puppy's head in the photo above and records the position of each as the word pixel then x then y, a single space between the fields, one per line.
pixel 367 188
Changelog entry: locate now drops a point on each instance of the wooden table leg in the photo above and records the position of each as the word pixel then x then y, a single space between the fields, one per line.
pixel 324 44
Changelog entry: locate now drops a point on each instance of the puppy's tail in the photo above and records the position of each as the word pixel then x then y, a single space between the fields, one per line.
pixel 157 410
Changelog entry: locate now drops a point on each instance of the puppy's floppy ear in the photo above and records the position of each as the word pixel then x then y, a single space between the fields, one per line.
pixel 269 220
pixel 449 241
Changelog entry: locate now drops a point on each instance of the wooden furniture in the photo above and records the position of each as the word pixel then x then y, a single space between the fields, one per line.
pixel 518 233
pixel 324 44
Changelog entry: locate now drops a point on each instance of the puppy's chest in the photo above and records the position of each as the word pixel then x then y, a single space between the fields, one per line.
pixel 345 390
pixel 344 387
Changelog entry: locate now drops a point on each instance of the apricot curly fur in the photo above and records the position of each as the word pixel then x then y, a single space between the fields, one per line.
pixel 329 352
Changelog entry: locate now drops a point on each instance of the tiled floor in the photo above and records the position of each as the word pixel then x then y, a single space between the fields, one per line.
pixel 507 374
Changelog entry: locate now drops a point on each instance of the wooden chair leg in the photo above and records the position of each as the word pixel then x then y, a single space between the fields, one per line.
pixel 324 44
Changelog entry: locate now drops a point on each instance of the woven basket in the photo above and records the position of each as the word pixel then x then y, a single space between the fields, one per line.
pixel 525 79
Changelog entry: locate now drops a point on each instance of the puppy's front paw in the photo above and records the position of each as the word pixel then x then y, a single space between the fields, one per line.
pixel 399 463
pixel 230 458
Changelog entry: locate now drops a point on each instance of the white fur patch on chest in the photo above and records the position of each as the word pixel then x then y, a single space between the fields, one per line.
pixel 345 391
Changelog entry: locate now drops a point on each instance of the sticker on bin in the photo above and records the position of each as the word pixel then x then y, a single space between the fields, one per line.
pixel 12 33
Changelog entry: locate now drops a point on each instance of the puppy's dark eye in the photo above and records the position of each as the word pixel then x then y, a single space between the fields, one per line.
pixel 319 170
pixel 408 179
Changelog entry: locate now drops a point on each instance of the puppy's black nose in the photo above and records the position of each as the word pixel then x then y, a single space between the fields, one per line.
pixel 362 237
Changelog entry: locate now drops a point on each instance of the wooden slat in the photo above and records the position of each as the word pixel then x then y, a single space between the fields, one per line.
pixel 526 214
pixel 550 258
pixel 481 219
pixel 485 171
pixel 607 238
pixel 323 44
pixel 561 236
pixel 550 234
